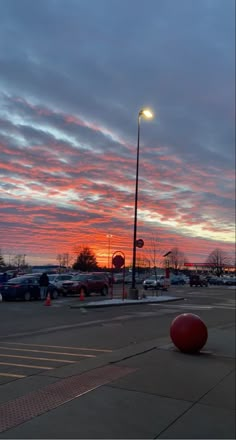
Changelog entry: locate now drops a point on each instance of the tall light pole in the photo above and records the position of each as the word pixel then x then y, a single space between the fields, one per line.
pixel 133 292
pixel 109 236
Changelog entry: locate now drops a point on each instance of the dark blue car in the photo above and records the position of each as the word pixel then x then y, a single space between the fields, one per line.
pixel 25 288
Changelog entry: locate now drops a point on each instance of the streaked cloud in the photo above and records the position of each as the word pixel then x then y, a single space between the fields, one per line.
pixel 71 87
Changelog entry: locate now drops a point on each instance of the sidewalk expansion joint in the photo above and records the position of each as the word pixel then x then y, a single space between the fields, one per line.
pixel 166 396
pixel 24 408
pixel 133 355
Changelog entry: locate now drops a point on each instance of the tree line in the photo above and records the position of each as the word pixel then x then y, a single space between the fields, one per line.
pixel 86 260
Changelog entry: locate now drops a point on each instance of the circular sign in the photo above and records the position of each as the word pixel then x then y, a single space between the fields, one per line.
pixel 118 261
pixel 140 243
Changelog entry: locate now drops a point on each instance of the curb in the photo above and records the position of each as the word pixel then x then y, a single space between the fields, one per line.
pixel 124 303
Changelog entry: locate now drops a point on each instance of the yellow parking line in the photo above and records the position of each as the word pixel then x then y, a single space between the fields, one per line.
pixel 12 375
pixel 60 346
pixel 50 352
pixel 26 366
pixel 36 358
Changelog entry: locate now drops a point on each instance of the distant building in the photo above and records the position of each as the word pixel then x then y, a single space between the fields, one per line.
pixel 53 268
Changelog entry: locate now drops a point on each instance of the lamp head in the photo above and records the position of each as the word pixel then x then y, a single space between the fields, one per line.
pixel 146 113
pixel 168 253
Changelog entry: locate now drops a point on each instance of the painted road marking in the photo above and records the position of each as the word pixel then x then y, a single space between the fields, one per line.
pixel 187 306
pixel 194 306
pixel 198 306
pixel 60 346
pixel 49 352
pixel 8 349
pixel 19 376
pixel 27 366
pixel 37 358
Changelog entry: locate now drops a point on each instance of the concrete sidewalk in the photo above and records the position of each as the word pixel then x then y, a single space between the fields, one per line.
pixel 148 391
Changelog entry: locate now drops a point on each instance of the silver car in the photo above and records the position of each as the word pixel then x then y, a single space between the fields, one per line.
pixel 57 280
pixel 154 282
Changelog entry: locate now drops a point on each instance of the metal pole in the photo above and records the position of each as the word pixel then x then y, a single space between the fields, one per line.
pixel 136 209
pixel 109 249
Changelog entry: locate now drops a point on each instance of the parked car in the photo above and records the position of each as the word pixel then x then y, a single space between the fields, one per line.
pixel 88 283
pixel 3 279
pixel 177 280
pixel 216 281
pixel 154 282
pixel 57 280
pixel 198 280
pixel 128 279
pixel 25 288
pixel 229 281
pixel 118 278
pixel 109 277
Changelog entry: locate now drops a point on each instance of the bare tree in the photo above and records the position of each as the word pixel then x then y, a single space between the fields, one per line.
pixel 64 260
pixel 59 259
pixel 2 262
pixel 217 260
pixel 177 258
pixel 154 255
pixel 19 260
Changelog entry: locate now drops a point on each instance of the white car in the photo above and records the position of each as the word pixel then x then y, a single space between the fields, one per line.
pixel 154 282
pixel 58 279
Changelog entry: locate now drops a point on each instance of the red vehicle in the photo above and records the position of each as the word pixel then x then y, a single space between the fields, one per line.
pixel 86 283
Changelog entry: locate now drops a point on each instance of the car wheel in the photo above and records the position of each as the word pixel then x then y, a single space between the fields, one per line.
pixel 104 291
pixel 145 287
pixel 27 296
pixel 54 294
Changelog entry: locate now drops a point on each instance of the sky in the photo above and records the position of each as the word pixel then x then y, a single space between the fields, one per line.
pixel 74 75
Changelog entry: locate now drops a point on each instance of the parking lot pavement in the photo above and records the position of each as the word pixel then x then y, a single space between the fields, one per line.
pixel 155 392
pixel 128 384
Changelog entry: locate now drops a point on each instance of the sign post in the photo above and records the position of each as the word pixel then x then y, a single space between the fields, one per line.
pixel 118 261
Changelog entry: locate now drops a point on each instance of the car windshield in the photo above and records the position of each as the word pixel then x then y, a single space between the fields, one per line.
pixel 81 277
pixel 155 277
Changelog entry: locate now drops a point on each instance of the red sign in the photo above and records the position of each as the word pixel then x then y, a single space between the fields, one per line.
pixel 118 261
pixel 198 264
pixel 139 243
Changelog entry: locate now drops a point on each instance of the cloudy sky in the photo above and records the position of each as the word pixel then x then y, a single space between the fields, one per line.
pixel 73 77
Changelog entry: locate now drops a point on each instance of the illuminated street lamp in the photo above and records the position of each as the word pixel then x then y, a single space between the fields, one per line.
pixel 109 236
pixel 133 292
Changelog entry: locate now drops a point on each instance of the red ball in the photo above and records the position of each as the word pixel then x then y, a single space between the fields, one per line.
pixel 188 332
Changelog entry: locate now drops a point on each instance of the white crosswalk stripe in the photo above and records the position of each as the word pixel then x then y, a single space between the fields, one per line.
pixel 17 361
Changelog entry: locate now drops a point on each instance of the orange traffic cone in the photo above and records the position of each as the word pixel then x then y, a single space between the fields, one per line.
pixel 48 300
pixel 81 296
